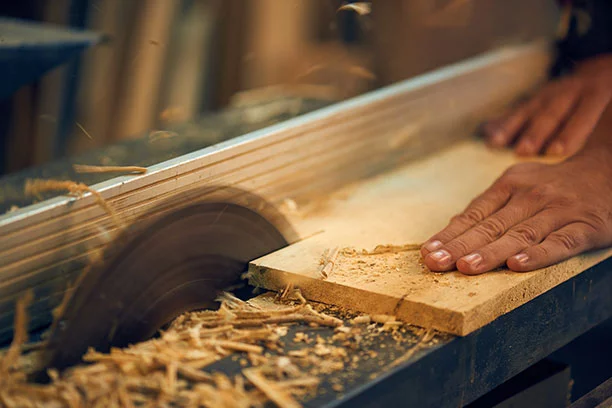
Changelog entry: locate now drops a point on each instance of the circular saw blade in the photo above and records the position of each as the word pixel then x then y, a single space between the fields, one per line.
pixel 177 263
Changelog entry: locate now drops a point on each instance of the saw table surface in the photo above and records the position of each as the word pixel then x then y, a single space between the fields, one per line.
pixel 407 206
pixel 455 371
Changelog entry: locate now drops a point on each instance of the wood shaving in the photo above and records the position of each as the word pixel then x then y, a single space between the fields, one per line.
pixel 426 337
pixel 276 394
pixel 84 168
pixel 381 318
pixel 365 319
pixel 363 8
pixel 328 261
pixel 157 135
pixel 84 131
pixel 20 336
pixel 286 291
pixel 35 187
pixel 173 114
pixel 361 72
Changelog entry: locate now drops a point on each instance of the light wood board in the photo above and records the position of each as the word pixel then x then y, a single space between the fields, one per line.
pixel 407 206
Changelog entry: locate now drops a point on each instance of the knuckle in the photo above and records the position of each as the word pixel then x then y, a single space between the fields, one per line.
pixel 503 185
pixel 471 215
pixel 525 234
pixel 562 203
pixel 568 241
pixel 491 228
pixel 543 126
pixel 597 218
pixel 540 252
pixel 518 170
pixel 541 192
pixel 458 247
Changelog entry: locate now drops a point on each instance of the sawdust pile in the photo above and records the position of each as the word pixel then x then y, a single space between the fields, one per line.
pixel 167 371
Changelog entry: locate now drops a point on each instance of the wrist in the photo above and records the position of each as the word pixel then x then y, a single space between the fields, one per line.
pixel 598 150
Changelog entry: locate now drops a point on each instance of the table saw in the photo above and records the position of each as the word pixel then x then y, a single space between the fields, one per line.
pixel 281 194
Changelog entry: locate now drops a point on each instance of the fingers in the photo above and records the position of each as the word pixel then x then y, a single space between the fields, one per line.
pixel 503 131
pixel 545 122
pixel 581 123
pixel 478 210
pixel 560 245
pixel 558 120
pixel 523 235
pixel 485 232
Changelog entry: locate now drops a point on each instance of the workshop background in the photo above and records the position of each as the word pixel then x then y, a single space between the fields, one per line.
pixel 161 62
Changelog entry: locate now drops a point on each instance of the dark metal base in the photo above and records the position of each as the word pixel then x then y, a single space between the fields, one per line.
pixel 460 371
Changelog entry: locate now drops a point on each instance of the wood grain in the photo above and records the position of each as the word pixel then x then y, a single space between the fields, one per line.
pixel 407 206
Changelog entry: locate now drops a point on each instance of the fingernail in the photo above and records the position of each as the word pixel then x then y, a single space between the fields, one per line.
pixel 498 138
pixel 473 259
pixel 442 257
pixel 556 149
pixel 526 148
pixel 521 258
pixel 432 246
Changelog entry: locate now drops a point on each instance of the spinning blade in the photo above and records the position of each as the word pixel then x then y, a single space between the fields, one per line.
pixel 177 263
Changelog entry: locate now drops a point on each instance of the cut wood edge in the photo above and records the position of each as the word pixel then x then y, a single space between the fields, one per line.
pixel 358 300
pixel 457 322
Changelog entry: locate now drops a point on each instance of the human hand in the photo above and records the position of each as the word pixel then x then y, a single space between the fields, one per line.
pixel 533 216
pixel 559 118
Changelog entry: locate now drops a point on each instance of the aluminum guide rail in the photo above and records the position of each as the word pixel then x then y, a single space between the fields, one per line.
pixel 44 245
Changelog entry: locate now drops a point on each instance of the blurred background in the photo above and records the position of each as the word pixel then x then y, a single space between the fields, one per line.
pixel 153 66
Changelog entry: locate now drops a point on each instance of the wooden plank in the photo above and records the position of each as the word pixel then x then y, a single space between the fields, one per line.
pixel 407 206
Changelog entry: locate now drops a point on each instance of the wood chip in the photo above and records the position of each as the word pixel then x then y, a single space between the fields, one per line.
pixel 34 187
pixel 84 131
pixel 84 168
pixel 365 319
pixel 276 394
pixel 193 374
pixel 382 318
pixel 234 345
pixel 328 262
pixel 386 249
pixel 363 8
pixel 20 335
pixel 157 135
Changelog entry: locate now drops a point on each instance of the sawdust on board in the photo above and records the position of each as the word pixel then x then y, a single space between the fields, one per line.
pixel 384 267
pixel 382 249
pixel 168 370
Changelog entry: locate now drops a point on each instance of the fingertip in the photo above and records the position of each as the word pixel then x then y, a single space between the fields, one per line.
pixel 520 263
pixel 466 268
pixel 439 261
pixel 430 246
pixel 497 138
pixel 555 149
pixel 494 133
pixel 526 148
